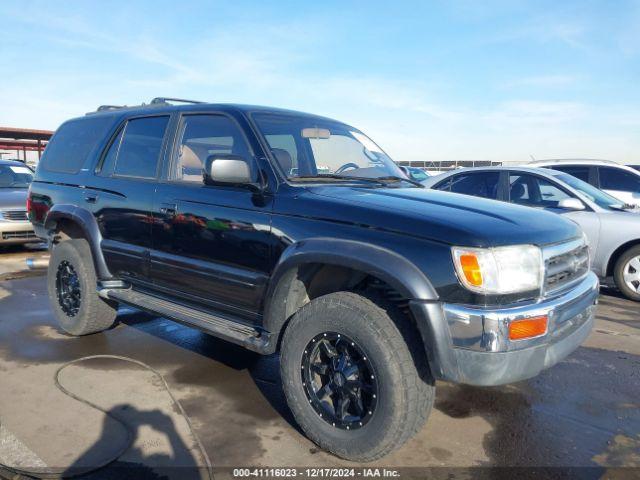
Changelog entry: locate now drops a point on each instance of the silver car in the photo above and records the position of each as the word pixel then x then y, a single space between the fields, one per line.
pixel 15 228
pixel 613 231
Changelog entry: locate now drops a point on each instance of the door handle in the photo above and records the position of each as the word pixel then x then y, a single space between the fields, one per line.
pixel 169 209
pixel 90 197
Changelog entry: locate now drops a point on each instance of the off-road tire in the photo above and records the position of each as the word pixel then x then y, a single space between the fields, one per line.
pixel 405 385
pixel 618 273
pixel 94 314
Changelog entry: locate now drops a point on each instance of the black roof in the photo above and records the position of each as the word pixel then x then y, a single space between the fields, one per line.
pixel 161 107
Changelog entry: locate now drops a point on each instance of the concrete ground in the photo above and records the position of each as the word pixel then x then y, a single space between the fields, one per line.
pixel 581 417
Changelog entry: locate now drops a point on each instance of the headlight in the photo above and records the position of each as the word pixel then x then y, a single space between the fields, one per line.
pixel 499 270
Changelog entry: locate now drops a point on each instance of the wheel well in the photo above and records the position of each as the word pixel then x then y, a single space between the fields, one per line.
pixel 302 284
pixel 618 253
pixel 67 230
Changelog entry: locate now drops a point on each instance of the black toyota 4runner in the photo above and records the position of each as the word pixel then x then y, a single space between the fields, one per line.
pixel 288 232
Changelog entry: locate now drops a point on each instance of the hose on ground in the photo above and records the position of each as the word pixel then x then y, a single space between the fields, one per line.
pixel 51 473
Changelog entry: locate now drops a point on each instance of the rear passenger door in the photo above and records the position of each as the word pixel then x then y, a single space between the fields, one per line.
pixel 211 243
pixel 121 195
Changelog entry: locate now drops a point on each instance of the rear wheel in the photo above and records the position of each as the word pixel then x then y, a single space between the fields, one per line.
pixel 626 273
pixel 72 284
pixel 355 375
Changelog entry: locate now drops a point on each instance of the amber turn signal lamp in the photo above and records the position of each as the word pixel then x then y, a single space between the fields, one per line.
pixel 528 328
pixel 471 269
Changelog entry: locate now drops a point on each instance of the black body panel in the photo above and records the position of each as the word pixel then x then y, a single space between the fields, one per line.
pixel 227 248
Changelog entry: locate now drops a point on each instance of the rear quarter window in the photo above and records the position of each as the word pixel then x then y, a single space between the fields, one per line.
pixel 72 143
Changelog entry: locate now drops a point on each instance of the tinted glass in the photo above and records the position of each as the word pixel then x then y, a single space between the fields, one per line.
pixel 534 191
pixel 481 184
pixel 202 136
pixel 310 147
pixel 594 194
pixel 140 147
pixel 112 153
pixel 579 172
pixel 72 143
pixel 618 179
pixel 15 176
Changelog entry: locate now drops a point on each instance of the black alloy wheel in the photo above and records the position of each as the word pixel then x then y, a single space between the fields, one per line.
pixel 339 381
pixel 68 289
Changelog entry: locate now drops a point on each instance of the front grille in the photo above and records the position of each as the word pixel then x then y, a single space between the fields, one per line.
pixel 15 215
pixel 17 235
pixel 563 268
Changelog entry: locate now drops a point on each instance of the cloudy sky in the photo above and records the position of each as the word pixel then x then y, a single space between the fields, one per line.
pixel 428 80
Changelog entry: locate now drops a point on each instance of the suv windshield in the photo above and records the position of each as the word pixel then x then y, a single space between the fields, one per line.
pixel 15 176
pixel 311 148
pixel 598 197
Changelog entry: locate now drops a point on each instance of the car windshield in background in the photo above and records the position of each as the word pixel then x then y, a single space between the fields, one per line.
pixel 597 196
pixel 15 176
pixel 307 148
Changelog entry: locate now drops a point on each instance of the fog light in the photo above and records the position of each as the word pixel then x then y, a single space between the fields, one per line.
pixel 528 328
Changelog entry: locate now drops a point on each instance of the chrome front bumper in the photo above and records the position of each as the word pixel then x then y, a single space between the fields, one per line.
pixel 480 352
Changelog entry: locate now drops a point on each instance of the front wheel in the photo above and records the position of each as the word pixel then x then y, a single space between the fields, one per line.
pixel 626 273
pixel 355 375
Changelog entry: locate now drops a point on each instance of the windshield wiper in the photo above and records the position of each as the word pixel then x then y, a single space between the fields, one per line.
pixel 401 179
pixel 333 176
pixel 378 180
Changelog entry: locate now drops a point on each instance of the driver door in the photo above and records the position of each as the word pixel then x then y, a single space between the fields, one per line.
pixel 211 243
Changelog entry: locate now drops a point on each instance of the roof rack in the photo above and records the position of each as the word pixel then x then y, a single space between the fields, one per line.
pixel 170 100
pixel 574 160
pixel 155 102
pixel 102 108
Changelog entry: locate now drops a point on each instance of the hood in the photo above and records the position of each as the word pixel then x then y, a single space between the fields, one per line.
pixel 446 217
pixel 13 198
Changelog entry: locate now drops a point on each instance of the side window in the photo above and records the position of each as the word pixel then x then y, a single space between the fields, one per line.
pixel 202 136
pixel 139 148
pixel 72 143
pixel 283 147
pixel 534 191
pixel 445 186
pixel 109 159
pixel 481 184
pixel 618 179
pixel 579 172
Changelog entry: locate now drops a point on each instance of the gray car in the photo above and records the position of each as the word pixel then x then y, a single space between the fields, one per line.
pixel 15 228
pixel 613 231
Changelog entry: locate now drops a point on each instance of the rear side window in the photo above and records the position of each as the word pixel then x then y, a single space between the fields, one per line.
pixel 72 144
pixel 136 149
pixel 579 172
pixel 618 179
pixel 481 184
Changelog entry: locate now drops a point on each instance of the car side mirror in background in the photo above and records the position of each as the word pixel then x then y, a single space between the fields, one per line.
pixel 231 170
pixel 571 204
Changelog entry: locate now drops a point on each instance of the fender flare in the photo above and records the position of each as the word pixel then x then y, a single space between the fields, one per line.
pixel 85 220
pixel 382 263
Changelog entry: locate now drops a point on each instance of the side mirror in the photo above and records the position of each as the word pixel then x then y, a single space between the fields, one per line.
pixel 229 169
pixel 571 204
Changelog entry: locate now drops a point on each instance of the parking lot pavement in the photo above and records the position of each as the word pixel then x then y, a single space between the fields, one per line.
pixel 13 259
pixel 583 412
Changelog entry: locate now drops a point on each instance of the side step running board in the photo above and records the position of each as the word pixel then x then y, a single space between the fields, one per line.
pixel 218 325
